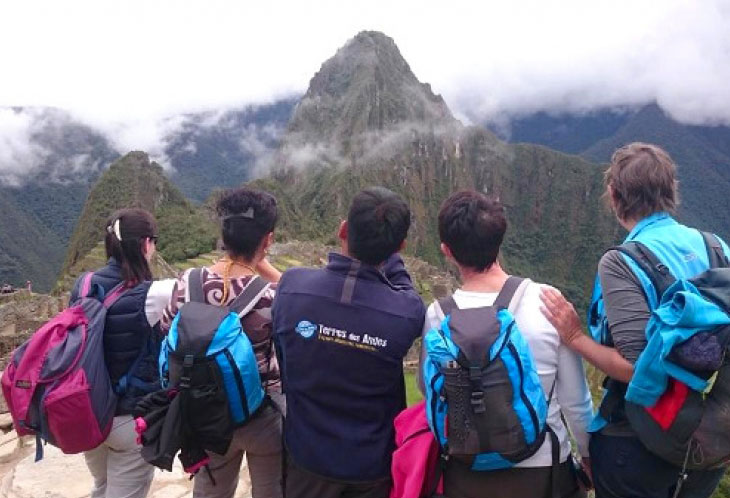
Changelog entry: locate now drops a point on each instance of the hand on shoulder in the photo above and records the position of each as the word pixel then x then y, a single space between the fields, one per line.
pixel 561 314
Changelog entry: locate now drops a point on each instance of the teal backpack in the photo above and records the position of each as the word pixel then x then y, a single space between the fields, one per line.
pixel 484 400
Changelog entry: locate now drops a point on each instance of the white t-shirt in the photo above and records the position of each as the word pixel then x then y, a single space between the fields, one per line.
pixel 552 358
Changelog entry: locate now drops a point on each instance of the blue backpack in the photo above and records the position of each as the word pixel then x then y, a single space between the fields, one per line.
pixel 484 400
pixel 209 358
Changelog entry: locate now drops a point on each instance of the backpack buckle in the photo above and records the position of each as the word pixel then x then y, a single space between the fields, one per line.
pixel 187 366
pixel 477 401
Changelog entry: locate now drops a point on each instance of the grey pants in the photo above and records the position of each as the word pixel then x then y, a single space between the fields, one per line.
pixel 117 465
pixel 260 440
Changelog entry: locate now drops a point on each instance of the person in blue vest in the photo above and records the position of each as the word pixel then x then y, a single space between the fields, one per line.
pixel 342 332
pixel 641 187
pixel 131 348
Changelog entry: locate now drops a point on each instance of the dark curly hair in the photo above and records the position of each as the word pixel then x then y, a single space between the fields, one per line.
pixel 247 215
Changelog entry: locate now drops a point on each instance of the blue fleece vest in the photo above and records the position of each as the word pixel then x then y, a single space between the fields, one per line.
pixel 680 248
pixel 341 333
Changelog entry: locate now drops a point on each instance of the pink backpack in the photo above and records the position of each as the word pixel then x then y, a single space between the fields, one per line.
pixel 56 384
pixel 416 455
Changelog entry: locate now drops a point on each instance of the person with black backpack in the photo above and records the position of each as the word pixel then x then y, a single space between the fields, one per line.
pixel 131 347
pixel 658 326
pixel 219 318
pixel 495 375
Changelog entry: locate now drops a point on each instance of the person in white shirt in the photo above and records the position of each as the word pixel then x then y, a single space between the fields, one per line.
pixel 471 229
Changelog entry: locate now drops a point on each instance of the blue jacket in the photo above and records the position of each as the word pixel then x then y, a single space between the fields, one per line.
pixel 683 251
pixel 682 313
pixel 342 332
pixel 126 333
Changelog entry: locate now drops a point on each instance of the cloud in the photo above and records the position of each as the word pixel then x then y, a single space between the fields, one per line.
pixel 47 144
pixel 138 60
pixel 18 153
pixel 579 56
pixel 134 69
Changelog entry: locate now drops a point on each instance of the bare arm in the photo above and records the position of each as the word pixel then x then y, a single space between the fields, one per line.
pixel 266 270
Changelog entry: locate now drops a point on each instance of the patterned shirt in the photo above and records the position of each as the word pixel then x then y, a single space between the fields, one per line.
pixel 256 324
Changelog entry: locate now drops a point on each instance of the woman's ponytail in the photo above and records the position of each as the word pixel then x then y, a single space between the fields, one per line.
pixel 126 232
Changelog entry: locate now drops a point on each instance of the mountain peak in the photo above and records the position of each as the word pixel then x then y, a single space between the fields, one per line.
pixel 131 181
pixel 367 87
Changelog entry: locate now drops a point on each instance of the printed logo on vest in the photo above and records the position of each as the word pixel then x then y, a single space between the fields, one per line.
pixel 23 384
pixel 306 329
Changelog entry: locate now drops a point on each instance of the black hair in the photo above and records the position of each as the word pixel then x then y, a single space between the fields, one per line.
pixel 247 216
pixel 472 225
pixel 377 224
pixel 134 226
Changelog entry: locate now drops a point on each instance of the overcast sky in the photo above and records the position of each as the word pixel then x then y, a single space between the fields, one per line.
pixel 130 63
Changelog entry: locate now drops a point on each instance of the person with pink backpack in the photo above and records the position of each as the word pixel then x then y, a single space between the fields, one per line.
pixel 131 349
pixel 75 382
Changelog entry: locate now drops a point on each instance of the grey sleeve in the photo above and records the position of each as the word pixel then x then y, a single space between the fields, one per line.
pixel 626 308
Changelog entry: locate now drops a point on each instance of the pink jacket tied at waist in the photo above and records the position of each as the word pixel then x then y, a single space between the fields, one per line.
pixel 416 455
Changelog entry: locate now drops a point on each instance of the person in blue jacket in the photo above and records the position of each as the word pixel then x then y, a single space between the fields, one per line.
pixel 641 187
pixel 342 332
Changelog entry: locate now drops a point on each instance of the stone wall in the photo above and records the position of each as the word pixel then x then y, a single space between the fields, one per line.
pixel 21 314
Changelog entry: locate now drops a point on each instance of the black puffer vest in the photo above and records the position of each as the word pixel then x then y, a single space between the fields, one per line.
pixel 131 345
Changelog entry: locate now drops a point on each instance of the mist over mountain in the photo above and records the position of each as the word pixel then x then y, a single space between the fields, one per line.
pixel 365 119
pixel 403 136
pixel 358 99
pixel 222 149
pixel 702 153
pixel 49 162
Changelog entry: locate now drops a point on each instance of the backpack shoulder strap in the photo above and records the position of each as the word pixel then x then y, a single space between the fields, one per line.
pixel 247 299
pixel 447 305
pixel 508 291
pixel 85 285
pixel 115 294
pixel 715 253
pixel 657 271
pixel 195 286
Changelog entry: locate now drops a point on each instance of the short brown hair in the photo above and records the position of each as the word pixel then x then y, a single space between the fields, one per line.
pixel 472 225
pixel 642 179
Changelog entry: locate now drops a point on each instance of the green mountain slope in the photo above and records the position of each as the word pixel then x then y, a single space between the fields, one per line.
pixel 703 164
pixel 27 250
pixel 133 181
pixel 403 136
pixel 702 153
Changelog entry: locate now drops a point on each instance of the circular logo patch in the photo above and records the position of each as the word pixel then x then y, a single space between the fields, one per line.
pixel 306 329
